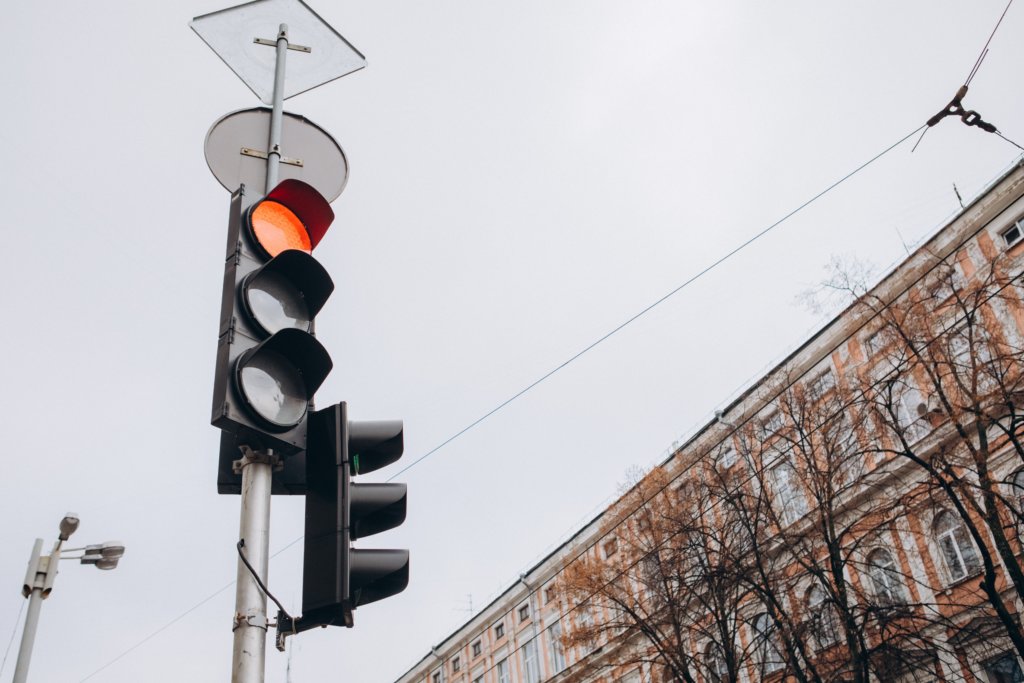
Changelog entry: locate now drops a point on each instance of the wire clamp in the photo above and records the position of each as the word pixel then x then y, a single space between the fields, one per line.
pixel 968 116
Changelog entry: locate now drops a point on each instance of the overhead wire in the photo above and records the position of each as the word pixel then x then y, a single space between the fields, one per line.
pixel 17 620
pixel 647 309
pixel 597 540
pixel 923 129
pixel 766 465
pixel 176 619
pixel 955 107
pixel 564 364
pixel 984 50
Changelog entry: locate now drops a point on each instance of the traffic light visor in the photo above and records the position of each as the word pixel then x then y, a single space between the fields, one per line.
pixel 276 228
pixel 287 292
pixel 292 216
pixel 278 378
pixel 273 388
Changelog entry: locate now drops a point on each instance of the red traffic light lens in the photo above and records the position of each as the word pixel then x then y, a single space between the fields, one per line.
pixel 277 229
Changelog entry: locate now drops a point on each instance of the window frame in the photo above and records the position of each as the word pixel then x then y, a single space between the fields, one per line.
pixel 788 513
pixel 1017 227
pixel 954 543
pixel 523 612
pixel 894 591
pixel 502 670
pixel 556 649
pixel 822 616
pixel 531 661
pixel 714 663
pixel 764 632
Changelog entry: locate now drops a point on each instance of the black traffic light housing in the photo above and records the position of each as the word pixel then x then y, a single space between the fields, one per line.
pixel 338 578
pixel 269 364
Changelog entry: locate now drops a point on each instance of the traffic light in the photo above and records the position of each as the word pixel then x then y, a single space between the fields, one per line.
pixel 337 578
pixel 269 364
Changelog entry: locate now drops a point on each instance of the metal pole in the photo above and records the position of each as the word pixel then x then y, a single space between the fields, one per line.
pixel 35 601
pixel 250 624
pixel 248 657
pixel 28 636
pixel 274 143
pixel 42 571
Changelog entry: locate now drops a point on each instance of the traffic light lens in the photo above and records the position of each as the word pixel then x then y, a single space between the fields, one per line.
pixel 276 303
pixel 274 389
pixel 277 228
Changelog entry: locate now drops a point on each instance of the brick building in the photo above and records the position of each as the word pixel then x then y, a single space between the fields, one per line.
pixel 853 516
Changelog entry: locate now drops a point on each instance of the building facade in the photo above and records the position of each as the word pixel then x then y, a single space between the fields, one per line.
pixel 856 515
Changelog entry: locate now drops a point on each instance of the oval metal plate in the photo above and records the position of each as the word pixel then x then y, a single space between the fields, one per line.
pixel 236 140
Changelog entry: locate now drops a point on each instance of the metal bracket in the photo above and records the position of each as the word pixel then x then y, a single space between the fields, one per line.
pixel 255 620
pixel 249 456
pixel 250 152
pixel 273 43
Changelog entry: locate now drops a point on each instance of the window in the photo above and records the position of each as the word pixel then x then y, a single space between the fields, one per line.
pixel 970 356
pixel 909 408
pixel 876 342
pixel 436 678
pixel 823 621
pixel 550 594
pixel 1004 669
pixel 479 679
pixel 727 457
pixel 610 547
pixel 557 652
pixel 767 651
pixel 821 385
pixel 714 662
pixel 456 664
pixel 476 648
pixel 958 554
pixel 1013 233
pixel 790 500
pixel 651 575
pixel 1016 495
pixel 524 612
pixel 499 630
pixel 886 582
pixel 531 666
pixel 772 422
pixel 842 449
pixel 503 673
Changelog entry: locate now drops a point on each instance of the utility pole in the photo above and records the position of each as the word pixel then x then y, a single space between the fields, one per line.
pixel 39 578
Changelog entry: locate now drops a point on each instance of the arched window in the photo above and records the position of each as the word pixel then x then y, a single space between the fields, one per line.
pixel 765 645
pixel 822 619
pixel 958 553
pixel 886 580
pixel 714 662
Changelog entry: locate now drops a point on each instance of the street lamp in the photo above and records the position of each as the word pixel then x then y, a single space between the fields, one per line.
pixel 42 570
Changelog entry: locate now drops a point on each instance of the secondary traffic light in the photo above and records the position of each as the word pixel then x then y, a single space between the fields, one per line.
pixel 269 364
pixel 337 578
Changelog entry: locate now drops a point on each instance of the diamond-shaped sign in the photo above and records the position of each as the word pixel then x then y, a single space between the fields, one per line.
pixel 232 33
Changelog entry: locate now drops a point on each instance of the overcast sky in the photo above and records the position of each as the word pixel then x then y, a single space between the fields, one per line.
pixel 524 177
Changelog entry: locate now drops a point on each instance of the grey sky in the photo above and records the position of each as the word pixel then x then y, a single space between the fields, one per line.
pixel 524 177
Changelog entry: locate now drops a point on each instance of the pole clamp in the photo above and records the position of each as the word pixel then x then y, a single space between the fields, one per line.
pixel 253 619
pixel 249 456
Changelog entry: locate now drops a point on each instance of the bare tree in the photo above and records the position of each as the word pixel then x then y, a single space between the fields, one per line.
pixel 661 583
pixel 945 392
pixel 788 551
